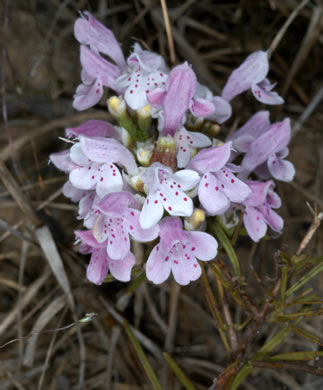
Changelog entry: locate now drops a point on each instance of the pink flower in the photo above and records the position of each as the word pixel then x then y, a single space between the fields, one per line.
pixel 266 153
pixel 173 101
pixel 166 191
pixel 101 263
pixel 177 253
pixel 258 211
pixel 95 160
pixel 117 220
pixel 185 141
pixel 218 186
pixel 252 74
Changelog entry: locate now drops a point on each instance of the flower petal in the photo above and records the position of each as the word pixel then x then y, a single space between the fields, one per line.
pixel 152 211
pixel 147 60
pixel 156 97
pixel 199 140
pixel 254 127
pixel 92 32
pixel 98 268
pixel 211 159
pixel 181 86
pixel 116 204
pixel 254 223
pixel 109 180
pixel 86 236
pixel 97 67
pixel 274 220
pixel 253 70
pixel 184 269
pixel 93 128
pixel 62 161
pixel 73 193
pixel 223 110
pixel 107 149
pixel 281 169
pixel 206 246
pixel 87 96
pixel 264 96
pixel 259 193
pixel 186 179
pixel 136 231
pixel 272 141
pixel 77 155
pixel 121 269
pixel 157 266
pixel 171 232
pixel 235 189
pixel 118 241
pixel 211 197
pixel 201 107
pixel 84 178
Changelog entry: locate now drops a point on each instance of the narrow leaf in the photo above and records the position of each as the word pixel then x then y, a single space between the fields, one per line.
pixel 143 358
pixel 306 278
pixel 224 240
pixel 241 376
pixel 178 372
pixel 305 355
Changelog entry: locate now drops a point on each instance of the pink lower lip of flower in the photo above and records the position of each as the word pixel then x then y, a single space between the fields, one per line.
pixel 177 253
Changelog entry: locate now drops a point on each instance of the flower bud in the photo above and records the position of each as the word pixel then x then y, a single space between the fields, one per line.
pixel 195 221
pixel 165 152
pixel 144 152
pixel 144 119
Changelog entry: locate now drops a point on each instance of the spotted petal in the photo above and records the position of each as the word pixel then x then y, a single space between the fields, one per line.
pixel 236 190
pixel 152 211
pixel 254 223
pixel 253 70
pixel 205 246
pixel 263 93
pixel 109 180
pixel 87 96
pixel 136 231
pixel 210 195
pixel 281 169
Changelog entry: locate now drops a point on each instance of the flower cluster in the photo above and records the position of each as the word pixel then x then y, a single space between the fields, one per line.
pixel 159 174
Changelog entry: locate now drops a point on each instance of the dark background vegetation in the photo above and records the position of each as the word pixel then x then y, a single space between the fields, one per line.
pixel 40 71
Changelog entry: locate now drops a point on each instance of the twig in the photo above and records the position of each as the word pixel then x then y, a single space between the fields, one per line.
pixel 275 42
pixel 168 32
pixel 311 230
pixel 308 41
pixel 308 111
pixel 251 331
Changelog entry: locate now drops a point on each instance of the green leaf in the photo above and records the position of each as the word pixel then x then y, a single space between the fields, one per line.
pixel 178 372
pixel 306 278
pixel 305 355
pixel 224 240
pixel 271 344
pixel 143 358
pixel 306 334
pixel 241 376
